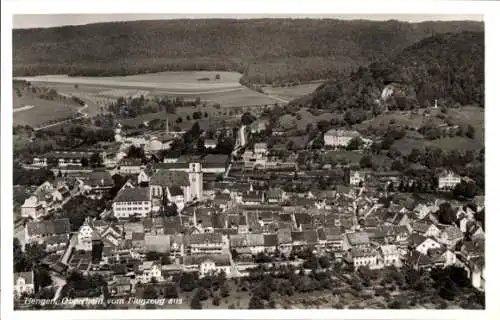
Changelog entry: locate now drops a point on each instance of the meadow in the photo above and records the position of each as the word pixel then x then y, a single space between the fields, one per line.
pixel 291 92
pixel 226 91
pixel 43 110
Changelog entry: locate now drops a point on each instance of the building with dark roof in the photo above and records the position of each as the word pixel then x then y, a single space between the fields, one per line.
pixel 132 202
pixel 42 230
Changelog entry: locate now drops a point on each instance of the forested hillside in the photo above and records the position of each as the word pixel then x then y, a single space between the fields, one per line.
pixel 447 67
pixel 272 51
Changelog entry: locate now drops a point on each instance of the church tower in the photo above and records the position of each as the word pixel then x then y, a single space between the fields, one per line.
pixel 195 181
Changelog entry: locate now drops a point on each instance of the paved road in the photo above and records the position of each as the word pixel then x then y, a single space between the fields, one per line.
pixel 277 98
pixel 59 283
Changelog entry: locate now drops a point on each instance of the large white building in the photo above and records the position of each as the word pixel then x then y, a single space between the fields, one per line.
pixel 132 202
pixel 339 138
pixel 448 180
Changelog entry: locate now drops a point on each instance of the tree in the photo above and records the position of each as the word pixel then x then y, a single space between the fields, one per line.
pixel 366 162
pixel 216 300
pixel 217 76
pixel 465 190
pixel 470 132
pixel 355 144
pixel 85 162
pixel 95 160
pixel 247 118
pixel 256 303
pixel 197 115
pixel 195 302
pixel 188 281
pixel 153 256
pixel 324 262
pixel 150 292
pixel 170 291
pixel 135 152
pixel 224 291
pixel 195 130
pixel 446 214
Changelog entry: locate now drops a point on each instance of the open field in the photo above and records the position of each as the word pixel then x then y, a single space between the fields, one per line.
pixel 402 118
pixel 227 91
pixel 457 116
pixel 406 145
pixel 291 93
pixel 40 110
pixel 302 118
pixel 174 81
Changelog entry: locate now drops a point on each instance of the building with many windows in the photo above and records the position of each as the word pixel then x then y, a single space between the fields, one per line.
pixel 339 138
pixel 132 202
pixel 448 180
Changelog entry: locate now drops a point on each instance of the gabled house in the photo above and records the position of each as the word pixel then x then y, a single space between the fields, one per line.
pixel 247 243
pixel 208 264
pixel 120 286
pixel 285 240
pixel 150 271
pixel 24 283
pixel 88 231
pixel 364 257
pixel 204 243
pixel 390 255
pixel 450 236
pixel 34 209
pixel 334 238
pixel 144 176
pixel 426 229
pixel 40 231
pixel 95 184
pixel 475 231
pixel 419 260
pixel 210 144
pixel 356 177
pixel 222 200
pixel 421 211
pixel 423 244
pixel 359 240
pixel 252 198
pixel 56 244
pixel 275 195
pixel 130 166
pixel 132 202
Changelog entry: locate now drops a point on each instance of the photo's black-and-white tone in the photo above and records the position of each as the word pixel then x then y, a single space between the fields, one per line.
pixel 248 162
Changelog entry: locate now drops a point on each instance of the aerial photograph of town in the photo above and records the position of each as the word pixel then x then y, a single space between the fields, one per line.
pixel 248 163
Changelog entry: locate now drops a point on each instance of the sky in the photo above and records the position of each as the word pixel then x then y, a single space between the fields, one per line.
pixel 53 20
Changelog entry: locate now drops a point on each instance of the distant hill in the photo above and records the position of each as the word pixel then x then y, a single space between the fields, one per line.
pixel 447 67
pixel 272 51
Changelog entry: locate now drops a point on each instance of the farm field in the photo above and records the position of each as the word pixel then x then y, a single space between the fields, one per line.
pixel 175 81
pixel 291 93
pixel 227 91
pixel 42 111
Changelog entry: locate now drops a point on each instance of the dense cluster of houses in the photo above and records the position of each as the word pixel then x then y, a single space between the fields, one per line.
pixel 178 216
pixel 226 231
